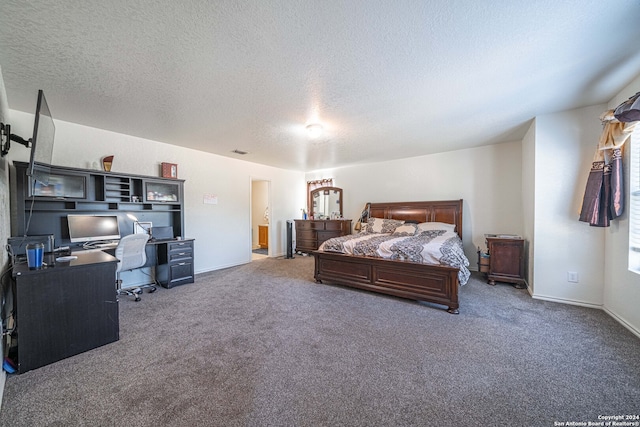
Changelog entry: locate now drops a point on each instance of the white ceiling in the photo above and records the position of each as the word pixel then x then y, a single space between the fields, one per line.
pixel 387 79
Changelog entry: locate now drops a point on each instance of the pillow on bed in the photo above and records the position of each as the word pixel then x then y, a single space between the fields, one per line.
pixel 380 225
pixel 406 230
pixel 427 226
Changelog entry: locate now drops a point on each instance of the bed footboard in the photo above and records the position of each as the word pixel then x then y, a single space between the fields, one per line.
pixel 422 282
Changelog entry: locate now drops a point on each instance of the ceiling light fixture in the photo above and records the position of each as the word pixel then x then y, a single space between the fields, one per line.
pixel 314 130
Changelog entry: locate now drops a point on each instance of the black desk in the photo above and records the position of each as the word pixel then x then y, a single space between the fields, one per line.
pixel 65 308
pixel 172 260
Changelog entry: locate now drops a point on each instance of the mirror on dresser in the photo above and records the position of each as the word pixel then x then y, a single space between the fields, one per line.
pixel 325 203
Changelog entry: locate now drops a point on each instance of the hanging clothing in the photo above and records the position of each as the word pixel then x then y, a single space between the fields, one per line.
pixel 604 194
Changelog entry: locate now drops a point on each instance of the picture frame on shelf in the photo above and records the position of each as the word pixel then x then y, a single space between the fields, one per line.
pixel 169 170
pixel 142 227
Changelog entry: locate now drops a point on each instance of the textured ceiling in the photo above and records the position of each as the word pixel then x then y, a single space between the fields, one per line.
pixel 387 79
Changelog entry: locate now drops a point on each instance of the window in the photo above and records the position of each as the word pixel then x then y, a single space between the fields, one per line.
pixel 634 200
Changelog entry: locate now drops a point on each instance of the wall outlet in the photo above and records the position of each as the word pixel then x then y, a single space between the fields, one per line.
pixel 572 276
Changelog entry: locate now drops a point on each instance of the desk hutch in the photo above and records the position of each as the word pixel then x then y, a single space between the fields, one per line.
pixel 70 307
pixel 38 209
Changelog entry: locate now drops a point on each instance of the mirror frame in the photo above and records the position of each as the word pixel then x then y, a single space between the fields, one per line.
pixel 317 190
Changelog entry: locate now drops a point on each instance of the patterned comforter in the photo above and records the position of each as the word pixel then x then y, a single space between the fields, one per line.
pixel 429 247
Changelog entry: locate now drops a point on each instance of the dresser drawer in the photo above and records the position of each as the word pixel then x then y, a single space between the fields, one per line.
pixel 306 245
pixel 326 235
pixel 310 234
pixel 303 225
pixel 333 225
pixel 306 235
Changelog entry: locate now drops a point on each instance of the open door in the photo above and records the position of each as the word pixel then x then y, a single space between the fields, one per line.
pixel 260 218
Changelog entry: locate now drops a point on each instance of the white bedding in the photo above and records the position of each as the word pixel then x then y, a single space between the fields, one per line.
pixel 442 247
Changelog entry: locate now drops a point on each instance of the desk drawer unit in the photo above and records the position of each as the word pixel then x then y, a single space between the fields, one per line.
pixel 175 264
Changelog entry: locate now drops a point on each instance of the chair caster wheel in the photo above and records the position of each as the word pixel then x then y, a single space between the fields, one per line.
pixel 152 289
pixel 137 299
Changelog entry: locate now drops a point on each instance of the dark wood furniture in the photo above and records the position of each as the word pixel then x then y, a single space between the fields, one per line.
pixel 38 209
pixel 311 233
pixel 175 263
pixel 325 203
pixel 506 260
pixel 64 309
pixel 432 283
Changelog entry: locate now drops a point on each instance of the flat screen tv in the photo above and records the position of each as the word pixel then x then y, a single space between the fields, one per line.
pixel 93 228
pixel 42 142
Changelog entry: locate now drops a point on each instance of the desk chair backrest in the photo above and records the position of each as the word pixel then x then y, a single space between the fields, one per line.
pixel 131 252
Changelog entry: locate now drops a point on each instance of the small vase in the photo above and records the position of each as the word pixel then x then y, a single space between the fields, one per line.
pixel 107 162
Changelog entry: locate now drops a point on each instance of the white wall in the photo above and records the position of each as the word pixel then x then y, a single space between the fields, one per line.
pixel 564 148
pixel 487 178
pixel 528 200
pixel 559 149
pixel 533 188
pixel 222 231
pixel 622 287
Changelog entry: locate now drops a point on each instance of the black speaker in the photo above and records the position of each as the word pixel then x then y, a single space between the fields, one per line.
pixel 289 239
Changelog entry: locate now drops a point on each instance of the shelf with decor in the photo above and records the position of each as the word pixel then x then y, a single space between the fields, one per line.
pixel 162 192
pixel 44 208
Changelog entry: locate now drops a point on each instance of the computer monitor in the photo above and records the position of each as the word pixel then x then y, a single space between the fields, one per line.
pixel 92 228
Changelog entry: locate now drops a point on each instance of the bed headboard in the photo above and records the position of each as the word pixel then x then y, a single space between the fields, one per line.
pixel 449 211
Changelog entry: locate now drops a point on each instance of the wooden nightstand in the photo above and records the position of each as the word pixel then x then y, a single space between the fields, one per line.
pixel 506 259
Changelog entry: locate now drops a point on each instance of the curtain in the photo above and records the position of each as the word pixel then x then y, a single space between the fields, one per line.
pixel 604 194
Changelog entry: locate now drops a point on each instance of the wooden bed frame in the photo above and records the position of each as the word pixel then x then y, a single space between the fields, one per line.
pixel 423 282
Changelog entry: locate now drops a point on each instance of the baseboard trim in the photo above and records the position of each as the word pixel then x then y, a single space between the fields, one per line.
pixel 602 307
pixel 222 267
pixel 567 301
pixel 622 321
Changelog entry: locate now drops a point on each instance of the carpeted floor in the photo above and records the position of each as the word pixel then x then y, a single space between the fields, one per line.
pixel 263 345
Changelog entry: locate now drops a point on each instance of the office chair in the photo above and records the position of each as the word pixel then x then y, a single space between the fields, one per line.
pixel 131 255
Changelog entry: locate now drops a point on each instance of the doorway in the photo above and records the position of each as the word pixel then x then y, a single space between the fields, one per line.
pixel 260 218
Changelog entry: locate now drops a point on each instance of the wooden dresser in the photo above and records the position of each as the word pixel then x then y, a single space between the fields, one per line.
pixel 310 233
